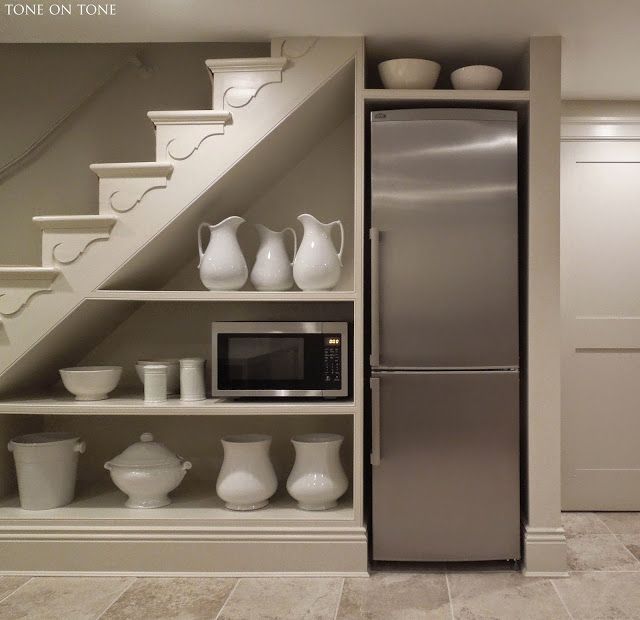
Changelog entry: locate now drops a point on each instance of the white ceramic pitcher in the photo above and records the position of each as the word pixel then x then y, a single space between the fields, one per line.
pixel 317 265
pixel 272 270
pixel 222 266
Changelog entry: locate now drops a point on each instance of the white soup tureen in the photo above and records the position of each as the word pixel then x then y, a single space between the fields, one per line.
pixel 147 472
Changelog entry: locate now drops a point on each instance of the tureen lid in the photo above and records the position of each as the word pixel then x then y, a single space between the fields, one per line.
pixel 146 453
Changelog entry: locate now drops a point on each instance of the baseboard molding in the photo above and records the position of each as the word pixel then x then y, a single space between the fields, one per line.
pixel 545 552
pixel 322 556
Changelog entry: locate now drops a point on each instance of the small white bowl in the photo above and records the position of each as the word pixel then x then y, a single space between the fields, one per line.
pixel 476 77
pixel 91 382
pixel 173 372
pixel 409 73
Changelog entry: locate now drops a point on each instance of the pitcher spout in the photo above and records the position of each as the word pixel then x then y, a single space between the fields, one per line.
pixel 231 222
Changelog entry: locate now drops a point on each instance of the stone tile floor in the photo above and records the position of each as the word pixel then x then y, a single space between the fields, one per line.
pixel 604 583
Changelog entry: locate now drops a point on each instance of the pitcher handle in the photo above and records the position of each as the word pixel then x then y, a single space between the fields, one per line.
pixel 339 223
pixel 204 224
pixel 295 243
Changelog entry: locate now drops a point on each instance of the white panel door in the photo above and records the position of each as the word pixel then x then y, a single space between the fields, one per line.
pixel 600 252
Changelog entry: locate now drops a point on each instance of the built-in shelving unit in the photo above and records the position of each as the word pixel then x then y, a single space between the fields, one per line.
pixel 380 95
pixel 192 502
pixel 132 405
pixel 213 296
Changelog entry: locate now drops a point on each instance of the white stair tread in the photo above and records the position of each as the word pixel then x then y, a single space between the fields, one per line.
pixel 66 222
pixel 221 65
pixel 133 169
pixel 27 272
pixel 186 117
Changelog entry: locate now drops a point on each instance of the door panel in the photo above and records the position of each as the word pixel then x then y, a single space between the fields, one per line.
pixel 444 200
pixel 600 268
pixel 447 484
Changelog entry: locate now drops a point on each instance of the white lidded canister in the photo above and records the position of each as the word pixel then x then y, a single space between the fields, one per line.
pixel 192 379
pixel 46 464
pixel 155 383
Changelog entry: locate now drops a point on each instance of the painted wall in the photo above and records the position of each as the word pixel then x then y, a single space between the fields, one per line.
pixel 40 83
pixel 600 108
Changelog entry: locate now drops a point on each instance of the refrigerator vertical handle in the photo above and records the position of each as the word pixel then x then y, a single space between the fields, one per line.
pixel 374 236
pixel 375 421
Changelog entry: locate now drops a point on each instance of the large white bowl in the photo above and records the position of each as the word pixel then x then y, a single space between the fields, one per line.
pixel 91 382
pixel 476 77
pixel 409 73
pixel 173 372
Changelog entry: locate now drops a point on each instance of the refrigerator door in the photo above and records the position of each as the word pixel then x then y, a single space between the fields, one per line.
pixel 444 239
pixel 446 486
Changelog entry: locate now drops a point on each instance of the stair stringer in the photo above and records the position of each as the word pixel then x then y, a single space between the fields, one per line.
pixel 190 180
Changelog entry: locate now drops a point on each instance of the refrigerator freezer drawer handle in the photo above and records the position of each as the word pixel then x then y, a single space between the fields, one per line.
pixel 374 358
pixel 375 422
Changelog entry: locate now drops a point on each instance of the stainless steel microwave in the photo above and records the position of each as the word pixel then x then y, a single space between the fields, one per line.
pixel 280 360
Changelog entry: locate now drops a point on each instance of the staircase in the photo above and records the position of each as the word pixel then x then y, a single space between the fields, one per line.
pixel 43 309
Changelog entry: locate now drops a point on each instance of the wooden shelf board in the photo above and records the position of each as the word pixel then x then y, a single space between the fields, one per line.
pixel 128 404
pixel 373 95
pixel 195 501
pixel 223 295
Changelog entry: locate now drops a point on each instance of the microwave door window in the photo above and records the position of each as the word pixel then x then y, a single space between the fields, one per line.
pixel 265 360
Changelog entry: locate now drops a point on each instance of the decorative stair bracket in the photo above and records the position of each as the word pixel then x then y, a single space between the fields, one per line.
pixel 292 48
pixel 65 238
pixel 122 186
pixel 236 81
pixel 179 134
pixel 19 284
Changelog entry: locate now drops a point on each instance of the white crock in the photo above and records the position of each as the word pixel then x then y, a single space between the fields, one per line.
pixel 147 472
pixel 222 265
pixel 317 479
pixel 247 479
pixel 273 271
pixel 46 464
pixel 317 265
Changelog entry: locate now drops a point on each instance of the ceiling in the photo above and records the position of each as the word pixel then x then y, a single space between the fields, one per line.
pixel 601 45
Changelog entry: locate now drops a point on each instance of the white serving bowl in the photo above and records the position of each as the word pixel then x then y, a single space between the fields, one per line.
pixel 173 372
pixel 409 73
pixel 91 382
pixel 476 77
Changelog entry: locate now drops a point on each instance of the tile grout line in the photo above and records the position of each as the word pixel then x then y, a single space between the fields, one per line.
pixel 446 578
pixel 115 599
pixel 235 585
pixel 555 588
pixel 617 537
pixel 335 616
pixel 4 598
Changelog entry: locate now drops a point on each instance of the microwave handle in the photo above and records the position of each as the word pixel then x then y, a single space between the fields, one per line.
pixel 375 421
pixel 374 236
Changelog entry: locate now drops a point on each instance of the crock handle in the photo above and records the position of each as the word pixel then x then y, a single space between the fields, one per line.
pixel 80 447
pixel 108 465
pixel 200 252
pixel 10 446
pixel 339 223
pixel 186 465
pixel 295 244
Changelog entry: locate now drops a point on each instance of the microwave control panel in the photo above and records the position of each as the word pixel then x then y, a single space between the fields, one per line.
pixel 332 360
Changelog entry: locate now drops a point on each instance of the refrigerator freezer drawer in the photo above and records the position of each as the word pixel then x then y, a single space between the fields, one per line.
pixel 447 483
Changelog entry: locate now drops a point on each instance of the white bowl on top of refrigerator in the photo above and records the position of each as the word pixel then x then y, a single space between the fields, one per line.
pixel 476 77
pixel 411 73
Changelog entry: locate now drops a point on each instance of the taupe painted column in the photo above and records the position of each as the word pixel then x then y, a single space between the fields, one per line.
pixel 544 540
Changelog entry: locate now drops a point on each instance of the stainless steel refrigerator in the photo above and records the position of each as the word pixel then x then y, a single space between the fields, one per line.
pixel 444 335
